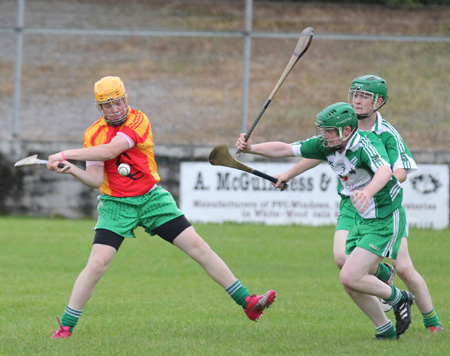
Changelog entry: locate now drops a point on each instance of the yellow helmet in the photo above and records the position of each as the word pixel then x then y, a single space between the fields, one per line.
pixel 108 90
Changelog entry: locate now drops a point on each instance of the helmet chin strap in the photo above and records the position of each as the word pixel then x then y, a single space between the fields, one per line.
pixel 118 122
pixel 115 123
pixel 343 142
pixel 365 116
pixel 335 148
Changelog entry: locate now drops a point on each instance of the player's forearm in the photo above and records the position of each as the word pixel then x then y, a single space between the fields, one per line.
pixel 401 174
pixel 97 153
pixel 273 149
pixel 379 180
pixel 103 152
pixel 301 167
pixel 92 177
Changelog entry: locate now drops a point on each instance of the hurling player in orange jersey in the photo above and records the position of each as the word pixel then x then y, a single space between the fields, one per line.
pixel 123 135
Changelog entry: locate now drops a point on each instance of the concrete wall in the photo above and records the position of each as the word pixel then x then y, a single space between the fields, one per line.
pixel 36 191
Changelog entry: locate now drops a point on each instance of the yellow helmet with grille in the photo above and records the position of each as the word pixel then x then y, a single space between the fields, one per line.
pixel 110 92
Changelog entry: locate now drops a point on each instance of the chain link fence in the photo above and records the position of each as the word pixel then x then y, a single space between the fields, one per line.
pixel 183 65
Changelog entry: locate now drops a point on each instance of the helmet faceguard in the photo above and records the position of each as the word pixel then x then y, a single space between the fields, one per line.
pixel 111 96
pixel 368 86
pixel 336 118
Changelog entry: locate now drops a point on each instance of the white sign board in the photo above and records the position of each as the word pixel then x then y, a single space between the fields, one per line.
pixel 426 196
pixel 220 194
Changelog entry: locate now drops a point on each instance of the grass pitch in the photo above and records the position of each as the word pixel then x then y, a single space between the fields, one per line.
pixel 154 300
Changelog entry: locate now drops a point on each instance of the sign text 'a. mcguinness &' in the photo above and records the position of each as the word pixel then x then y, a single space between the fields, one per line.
pixel 220 194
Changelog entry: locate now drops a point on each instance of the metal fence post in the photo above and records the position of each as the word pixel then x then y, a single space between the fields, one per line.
pixel 18 73
pixel 247 58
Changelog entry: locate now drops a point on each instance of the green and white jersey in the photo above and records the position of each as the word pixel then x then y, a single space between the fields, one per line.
pixel 398 152
pixel 355 166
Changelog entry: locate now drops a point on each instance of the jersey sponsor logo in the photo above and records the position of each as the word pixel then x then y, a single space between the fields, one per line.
pixel 345 178
pixel 353 187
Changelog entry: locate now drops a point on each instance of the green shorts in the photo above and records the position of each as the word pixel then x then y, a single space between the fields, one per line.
pixel 381 236
pixel 123 215
pixel 347 213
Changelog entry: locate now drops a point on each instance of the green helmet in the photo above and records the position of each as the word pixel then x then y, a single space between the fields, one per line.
pixel 369 85
pixel 337 116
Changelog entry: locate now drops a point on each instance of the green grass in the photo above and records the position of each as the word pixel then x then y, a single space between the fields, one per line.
pixel 156 301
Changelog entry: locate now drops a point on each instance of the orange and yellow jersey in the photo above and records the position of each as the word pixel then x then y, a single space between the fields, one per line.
pixel 140 157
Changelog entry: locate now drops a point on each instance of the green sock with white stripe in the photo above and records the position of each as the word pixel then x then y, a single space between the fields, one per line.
pixel 387 330
pixel 238 292
pixel 395 297
pixel 70 317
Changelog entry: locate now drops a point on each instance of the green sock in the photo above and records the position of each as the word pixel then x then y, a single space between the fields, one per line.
pixel 238 292
pixel 383 272
pixel 70 317
pixel 430 319
pixel 387 330
pixel 395 297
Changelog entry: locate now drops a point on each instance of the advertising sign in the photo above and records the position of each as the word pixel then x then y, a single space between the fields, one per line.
pixel 426 196
pixel 220 194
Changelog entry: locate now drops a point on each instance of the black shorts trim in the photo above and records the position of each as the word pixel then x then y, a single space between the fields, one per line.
pixel 171 229
pixel 108 237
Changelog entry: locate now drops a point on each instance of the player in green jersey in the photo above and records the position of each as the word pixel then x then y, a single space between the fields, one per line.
pixel 362 164
pixel 368 94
